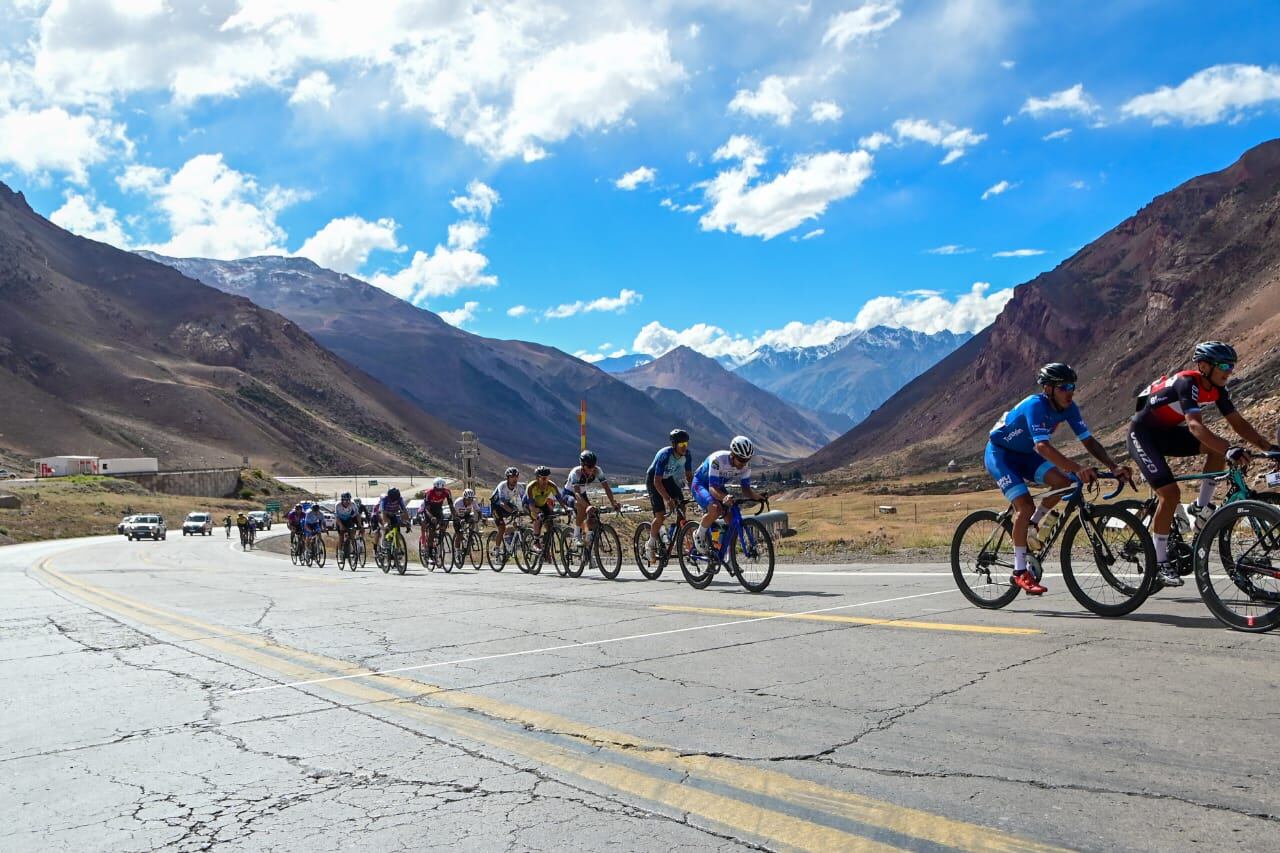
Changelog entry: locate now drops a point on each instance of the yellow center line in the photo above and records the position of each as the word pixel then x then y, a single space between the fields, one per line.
pixel 853 620
pixel 742 816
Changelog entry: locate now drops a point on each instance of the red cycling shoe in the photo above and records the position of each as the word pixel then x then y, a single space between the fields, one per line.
pixel 1027 582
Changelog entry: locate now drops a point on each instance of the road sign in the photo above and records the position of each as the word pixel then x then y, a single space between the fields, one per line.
pixel 373 482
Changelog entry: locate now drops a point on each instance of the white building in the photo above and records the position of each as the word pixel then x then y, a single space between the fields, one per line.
pixel 65 466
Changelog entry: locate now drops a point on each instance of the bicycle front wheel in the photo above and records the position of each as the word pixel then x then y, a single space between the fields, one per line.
pixel 493 551
pixel 399 556
pixel 475 550
pixel 982 559
pixel 696 567
pixel 752 556
pixel 444 552
pixel 1108 561
pixel 322 553
pixel 1241 588
pixel 606 551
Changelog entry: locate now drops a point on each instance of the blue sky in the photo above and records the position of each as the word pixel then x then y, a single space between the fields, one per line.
pixel 797 170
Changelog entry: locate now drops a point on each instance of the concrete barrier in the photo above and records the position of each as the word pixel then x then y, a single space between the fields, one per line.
pixel 204 483
pixel 10 502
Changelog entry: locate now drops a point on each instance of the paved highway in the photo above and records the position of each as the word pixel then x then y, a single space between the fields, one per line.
pixel 183 695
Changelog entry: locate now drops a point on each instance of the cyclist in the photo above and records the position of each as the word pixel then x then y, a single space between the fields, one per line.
pixel 506 500
pixel 313 521
pixel 1170 423
pixel 242 524
pixel 1019 451
pixel 392 509
pixel 227 521
pixel 662 486
pixel 541 497
pixel 588 471
pixel 465 511
pixel 710 489
pixel 375 521
pixel 431 513
pixel 347 516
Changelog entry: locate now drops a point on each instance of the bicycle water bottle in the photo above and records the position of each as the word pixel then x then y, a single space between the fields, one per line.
pixel 1051 526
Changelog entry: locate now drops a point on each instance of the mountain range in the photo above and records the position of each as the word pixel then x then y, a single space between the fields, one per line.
pixel 1201 261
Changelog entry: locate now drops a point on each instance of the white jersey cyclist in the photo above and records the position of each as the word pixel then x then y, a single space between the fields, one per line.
pixel 579 480
pixel 509 495
pixel 717 470
pixel 462 511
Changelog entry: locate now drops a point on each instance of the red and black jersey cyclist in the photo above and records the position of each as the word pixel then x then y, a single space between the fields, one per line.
pixel 1170 423
pixel 434 500
pixel 1019 451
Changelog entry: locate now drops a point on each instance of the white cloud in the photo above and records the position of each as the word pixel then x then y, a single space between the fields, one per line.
pixel 636 177
pixel 315 88
pixel 1222 92
pixel 344 244
pixel 518 310
pixel 768 101
pixel 479 201
pixel 949 249
pixel 820 111
pixel 956 140
pixel 927 311
pixel 80 214
pixel 769 208
pixel 862 23
pixel 667 203
pixel 616 304
pixel 997 189
pixel 591 357
pixel 462 315
pixel 212 210
pixel 689 208
pixel 1073 100
pixel 875 141
pixel 467 234
pixel 54 140
pixel 1018 253
pixel 1008 64
pixel 817 232
pixel 1061 133
pixel 1079 185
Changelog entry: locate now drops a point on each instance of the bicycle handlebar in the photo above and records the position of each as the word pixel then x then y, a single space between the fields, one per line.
pixel 1119 488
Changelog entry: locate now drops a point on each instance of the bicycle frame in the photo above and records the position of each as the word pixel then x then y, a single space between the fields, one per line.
pixel 1075 502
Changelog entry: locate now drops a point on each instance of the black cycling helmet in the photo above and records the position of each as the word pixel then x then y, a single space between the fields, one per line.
pixel 587 458
pixel 542 471
pixel 1215 352
pixel 679 435
pixel 346 496
pixel 393 493
pixel 1056 373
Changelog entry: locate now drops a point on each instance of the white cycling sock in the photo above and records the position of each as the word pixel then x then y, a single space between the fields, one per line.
pixel 1162 547
pixel 1019 558
pixel 1206 493
pixel 1040 513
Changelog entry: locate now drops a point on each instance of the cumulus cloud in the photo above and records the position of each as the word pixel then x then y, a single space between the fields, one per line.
pixel 636 177
pixel 462 315
pixel 949 249
pixel 518 310
pixel 956 140
pixel 81 214
pixel 817 232
pixel 479 200
pixel 862 23
pixel 875 141
pixel 1073 100
pixel 344 244
pixel 928 311
pixel 770 100
pixel 616 304
pixel 1222 92
pixel 820 111
pixel 997 189
pixel 53 140
pixel 315 88
pixel 766 208
pixel 1018 253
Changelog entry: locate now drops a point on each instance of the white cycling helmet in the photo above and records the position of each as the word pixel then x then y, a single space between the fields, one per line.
pixel 468 494
pixel 439 483
pixel 741 447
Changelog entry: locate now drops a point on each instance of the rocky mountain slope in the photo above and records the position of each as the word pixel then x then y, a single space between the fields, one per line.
pixel 103 352
pixel 1201 261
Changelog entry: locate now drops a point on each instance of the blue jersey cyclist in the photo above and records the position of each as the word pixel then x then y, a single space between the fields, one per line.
pixel 711 483
pixel 1019 451
pixel 662 482
pixel 313 521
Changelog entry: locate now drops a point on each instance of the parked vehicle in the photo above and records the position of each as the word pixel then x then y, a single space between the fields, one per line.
pixel 198 524
pixel 7 475
pixel 261 519
pixel 146 527
pixel 330 520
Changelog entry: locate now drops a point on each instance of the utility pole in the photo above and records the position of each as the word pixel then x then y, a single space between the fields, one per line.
pixel 469 450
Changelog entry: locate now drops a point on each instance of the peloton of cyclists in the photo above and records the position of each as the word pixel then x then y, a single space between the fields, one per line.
pixel 662 485
pixel 1169 423
pixel 587 472
pixel 710 485
pixel 1019 452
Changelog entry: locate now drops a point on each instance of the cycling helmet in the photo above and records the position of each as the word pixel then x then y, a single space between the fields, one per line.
pixel 468 493
pixel 439 483
pixel 741 447
pixel 358 503
pixel 542 471
pixel 393 493
pixel 1056 373
pixel 587 458
pixel 1215 352
pixel 346 496
pixel 679 435
pixel 513 471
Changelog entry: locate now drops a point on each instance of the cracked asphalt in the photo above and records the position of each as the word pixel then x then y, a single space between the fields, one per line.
pixel 182 695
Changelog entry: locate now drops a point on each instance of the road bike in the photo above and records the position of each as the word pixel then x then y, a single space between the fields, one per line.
pixel 435 546
pixel 599 547
pixel 668 543
pixel 351 551
pixel 314 551
pixel 295 547
pixel 469 547
pixel 1241 587
pixel 391 552
pixel 742 546
pixel 246 538
pixel 1108 557
pixel 553 545
pixel 515 545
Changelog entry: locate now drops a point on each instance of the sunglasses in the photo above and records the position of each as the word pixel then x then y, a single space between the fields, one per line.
pixel 1224 366
pixel 682 444
pixel 1068 386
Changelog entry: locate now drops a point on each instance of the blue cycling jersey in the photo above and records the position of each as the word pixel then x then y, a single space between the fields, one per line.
pixel 717 468
pixel 666 465
pixel 1034 420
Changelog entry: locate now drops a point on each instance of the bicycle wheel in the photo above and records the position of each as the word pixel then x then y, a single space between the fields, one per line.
pixel 493 551
pixel 982 559
pixel 695 567
pixel 606 551
pixel 295 551
pixel 752 556
pixel 639 548
pixel 475 549
pixel 575 556
pixel 1108 560
pixel 342 556
pixel 399 556
pixel 381 558
pixel 444 552
pixel 1242 588
pixel 322 552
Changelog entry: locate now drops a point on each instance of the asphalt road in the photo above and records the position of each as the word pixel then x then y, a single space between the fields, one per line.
pixel 183 695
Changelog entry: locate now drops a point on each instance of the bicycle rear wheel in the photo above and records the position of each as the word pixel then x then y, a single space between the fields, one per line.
pixel 342 556
pixel 752 556
pixel 295 550
pixel 606 551
pixel 982 559
pixel 494 551
pixel 639 539
pixel 399 557
pixel 696 567
pixel 1108 560
pixel 322 552
pixel 1242 588
pixel 475 549
pixel 527 557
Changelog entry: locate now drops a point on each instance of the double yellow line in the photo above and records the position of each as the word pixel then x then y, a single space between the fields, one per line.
pixel 736 796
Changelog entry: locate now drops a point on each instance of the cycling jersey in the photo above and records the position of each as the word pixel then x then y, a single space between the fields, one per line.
pixel 1171 398
pixel 437 497
pixel 505 494
pixel 1034 420
pixel 391 507
pixel 346 513
pixel 666 465
pixel 717 468
pixel 578 479
pixel 313 520
pixel 461 510
pixel 541 496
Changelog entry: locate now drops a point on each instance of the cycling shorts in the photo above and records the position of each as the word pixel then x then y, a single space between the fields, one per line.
pixel 500 511
pixel 1149 446
pixel 655 499
pixel 571 500
pixel 1013 470
pixel 547 511
pixel 702 495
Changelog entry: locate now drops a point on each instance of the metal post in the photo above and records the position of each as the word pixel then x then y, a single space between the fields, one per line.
pixel 582 424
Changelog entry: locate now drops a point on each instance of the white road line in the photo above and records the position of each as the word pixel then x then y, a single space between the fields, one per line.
pixel 586 643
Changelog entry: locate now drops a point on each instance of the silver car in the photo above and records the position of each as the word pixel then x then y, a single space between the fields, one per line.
pixel 146 527
pixel 198 524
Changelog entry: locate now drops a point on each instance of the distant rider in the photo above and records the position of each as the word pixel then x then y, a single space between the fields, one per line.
pixel 506 500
